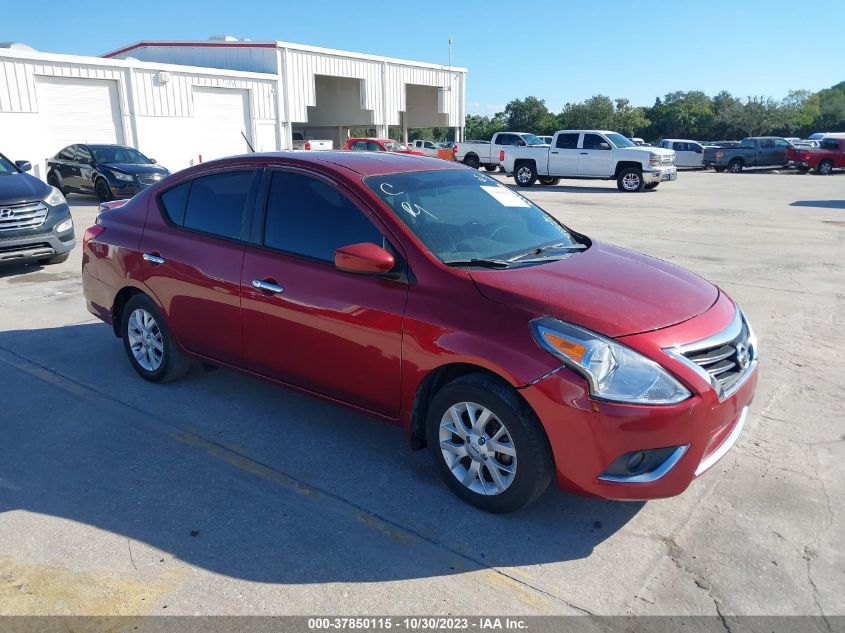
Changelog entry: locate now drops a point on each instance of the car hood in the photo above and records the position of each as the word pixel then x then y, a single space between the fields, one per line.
pixel 16 188
pixel 134 169
pixel 607 289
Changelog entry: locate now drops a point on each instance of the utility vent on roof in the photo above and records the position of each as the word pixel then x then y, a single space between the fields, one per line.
pixel 228 38
pixel 17 46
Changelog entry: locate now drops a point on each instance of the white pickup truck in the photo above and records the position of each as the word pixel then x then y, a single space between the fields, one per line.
pixel 300 142
pixel 486 154
pixel 594 154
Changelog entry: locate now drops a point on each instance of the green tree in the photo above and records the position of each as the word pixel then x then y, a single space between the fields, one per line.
pixel 595 113
pixel 627 119
pixel 529 115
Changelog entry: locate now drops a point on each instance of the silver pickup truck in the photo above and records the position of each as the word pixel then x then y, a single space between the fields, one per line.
pixel 591 154
pixel 307 144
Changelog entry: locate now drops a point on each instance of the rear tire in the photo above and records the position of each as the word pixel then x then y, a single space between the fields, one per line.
pixel 525 174
pixel 630 180
pixel 491 416
pixel 471 161
pixel 549 181
pixel 824 168
pixel 53 181
pixel 149 343
pixel 719 170
pixel 735 166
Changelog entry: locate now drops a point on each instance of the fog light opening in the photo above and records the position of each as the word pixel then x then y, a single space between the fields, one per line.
pixel 643 465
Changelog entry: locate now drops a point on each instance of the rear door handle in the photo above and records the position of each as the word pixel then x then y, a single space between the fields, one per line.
pixel 555 152
pixel 584 153
pixel 267 286
pixel 155 259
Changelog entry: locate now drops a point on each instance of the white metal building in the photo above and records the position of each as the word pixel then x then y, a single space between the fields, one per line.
pixel 186 102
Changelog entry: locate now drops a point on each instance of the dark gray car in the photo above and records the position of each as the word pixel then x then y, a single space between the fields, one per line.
pixel 35 220
pixel 754 151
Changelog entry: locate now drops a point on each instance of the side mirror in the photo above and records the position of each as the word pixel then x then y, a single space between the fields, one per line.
pixel 154 161
pixel 366 258
pixel 23 165
pixel 520 143
pixel 604 145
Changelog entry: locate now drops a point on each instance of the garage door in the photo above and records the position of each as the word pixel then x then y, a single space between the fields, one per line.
pixel 221 116
pixel 75 110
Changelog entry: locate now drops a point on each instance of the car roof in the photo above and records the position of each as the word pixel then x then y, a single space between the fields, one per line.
pixel 373 138
pixel 363 163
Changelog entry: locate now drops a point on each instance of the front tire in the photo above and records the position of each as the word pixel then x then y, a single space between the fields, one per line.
pixel 525 174
pixel 149 344
pixel 630 180
pixel 102 190
pixel 488 445
pixel 735 166
pixel 719 170
pixel 824 168
pixel 549 181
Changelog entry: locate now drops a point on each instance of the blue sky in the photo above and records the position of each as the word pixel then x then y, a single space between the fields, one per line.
pixel 559 51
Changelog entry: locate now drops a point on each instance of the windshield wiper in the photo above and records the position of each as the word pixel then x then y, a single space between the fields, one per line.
pixel 542 249
pixel 484 263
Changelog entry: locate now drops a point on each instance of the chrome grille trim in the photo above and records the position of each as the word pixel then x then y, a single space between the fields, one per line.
pixel 29 215
pixel 716 358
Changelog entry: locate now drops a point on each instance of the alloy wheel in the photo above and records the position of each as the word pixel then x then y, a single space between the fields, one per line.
pixel 631 182
pixel 523 174
pixel 145 339
pixel 477 448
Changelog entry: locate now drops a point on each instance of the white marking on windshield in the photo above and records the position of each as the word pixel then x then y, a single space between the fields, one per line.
pixel 385 186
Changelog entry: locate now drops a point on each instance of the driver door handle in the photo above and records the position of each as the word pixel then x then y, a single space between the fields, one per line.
pixel 154 258
pixel 267 286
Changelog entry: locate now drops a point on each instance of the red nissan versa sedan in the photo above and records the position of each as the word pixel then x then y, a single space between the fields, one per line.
pixel 430 295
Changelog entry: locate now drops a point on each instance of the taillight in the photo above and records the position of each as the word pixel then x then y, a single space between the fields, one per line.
pixel 719 155
pixel 91 233
pixel 307 146
pixel 455 148
pixel 501 156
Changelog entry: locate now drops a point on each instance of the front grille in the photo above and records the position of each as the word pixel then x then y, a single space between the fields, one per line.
pixel 667 159
pixel 724 359
pixel 29 215
pixel 149 179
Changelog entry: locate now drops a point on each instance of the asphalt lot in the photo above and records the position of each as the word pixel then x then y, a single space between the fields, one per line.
pixel 221 494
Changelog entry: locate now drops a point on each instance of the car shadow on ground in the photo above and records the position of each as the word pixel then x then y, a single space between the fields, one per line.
pixel 247 479
pixel 822 204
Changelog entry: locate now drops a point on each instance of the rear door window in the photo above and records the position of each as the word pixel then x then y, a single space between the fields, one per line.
pixel 308 217
pixel 216 204
pixel 567 141
pixel 65 154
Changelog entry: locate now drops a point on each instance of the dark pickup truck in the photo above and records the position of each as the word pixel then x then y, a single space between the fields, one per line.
pixel 830 155
pixel 756 151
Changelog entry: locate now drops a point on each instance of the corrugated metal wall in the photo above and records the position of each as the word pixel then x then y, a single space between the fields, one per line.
pixel 154 97
pixel 253 59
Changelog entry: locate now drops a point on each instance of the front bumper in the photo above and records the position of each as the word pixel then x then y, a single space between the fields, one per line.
pixel 126 189
pixel 36 246
pixel 663 174
pixel 587 435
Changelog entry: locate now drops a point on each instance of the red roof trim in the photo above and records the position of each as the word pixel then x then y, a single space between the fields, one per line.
pixel 191 44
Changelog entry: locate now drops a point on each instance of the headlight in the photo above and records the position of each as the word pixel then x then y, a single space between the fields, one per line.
pixel 124 177
pixel 55 197
pixel 615 372
pixel 65 225
pixel 654 160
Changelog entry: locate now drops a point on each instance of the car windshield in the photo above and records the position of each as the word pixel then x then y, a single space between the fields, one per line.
pixel 393 146
pixel 530 139
pixel 120 155
pixel 6 166
pixel 618 140
pixel 461 215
